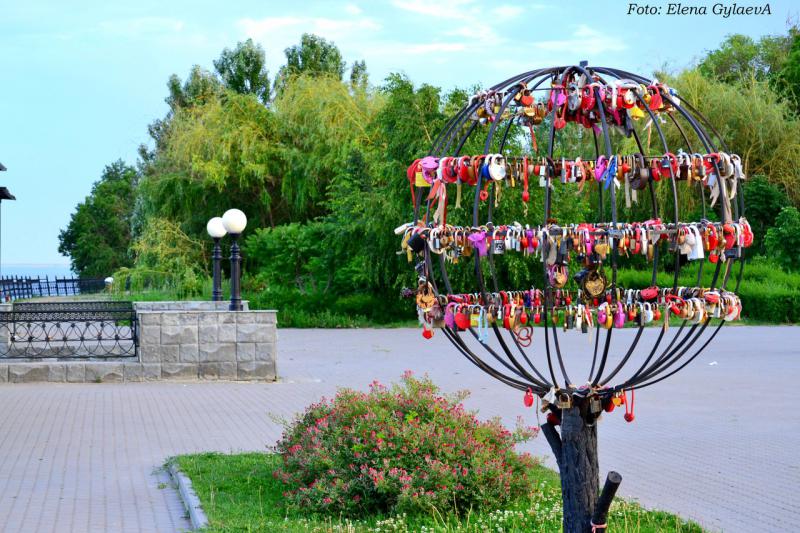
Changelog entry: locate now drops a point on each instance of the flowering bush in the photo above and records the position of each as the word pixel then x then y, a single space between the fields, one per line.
pixel 406 448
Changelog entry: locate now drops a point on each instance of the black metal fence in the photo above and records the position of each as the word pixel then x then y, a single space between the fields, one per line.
pixel 69 330
pixel 19 287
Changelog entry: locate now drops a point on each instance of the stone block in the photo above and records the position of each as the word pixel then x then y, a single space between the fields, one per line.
pixel 255 370
pixel 226 332
pixel 218 353
pixel 151 371
pixel 189 353
pixel 207 319
pixel 149 318
pixel 76 373
pixel 208 370
pixel 133 371
pixel 253 333
pixel 179 371
pixel 189 319
pixel 228 317
pixel 169 353
pixel 266 317
pixel 28 372
pixel 149 335
pixel 57 372
pixel 104 372
pixel 245 351
pixel 179 334
pixel 207 334
pixel 150 353
pixel 265 351
pixel 244 317
pixel 218 371
pixel 227 370
pixel 3 373
pixel 170 319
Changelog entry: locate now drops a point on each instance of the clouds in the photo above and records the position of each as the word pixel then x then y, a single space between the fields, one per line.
pixel 583 38
pixel 446 42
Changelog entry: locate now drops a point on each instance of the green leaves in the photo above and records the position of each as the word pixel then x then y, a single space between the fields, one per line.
pixel 243 70
pixel 98 234
pixel 783 240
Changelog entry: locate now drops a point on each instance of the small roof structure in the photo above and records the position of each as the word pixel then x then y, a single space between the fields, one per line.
pixel 5 194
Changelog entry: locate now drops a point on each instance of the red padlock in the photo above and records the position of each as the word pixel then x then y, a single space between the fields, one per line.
pixel 462 320
pixel 528 400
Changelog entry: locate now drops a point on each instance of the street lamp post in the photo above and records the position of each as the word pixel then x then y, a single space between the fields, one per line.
pixel 216 229
pixel 235 221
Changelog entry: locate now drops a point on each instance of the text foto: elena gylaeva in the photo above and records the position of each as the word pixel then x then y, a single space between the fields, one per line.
pixel 718 9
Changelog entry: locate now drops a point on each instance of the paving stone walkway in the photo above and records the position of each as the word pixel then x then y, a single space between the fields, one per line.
pixel 717 442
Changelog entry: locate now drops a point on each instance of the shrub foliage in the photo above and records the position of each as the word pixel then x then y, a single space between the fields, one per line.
pixel 404 448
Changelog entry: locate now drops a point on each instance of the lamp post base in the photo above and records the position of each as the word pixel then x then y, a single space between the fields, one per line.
pixel 236 272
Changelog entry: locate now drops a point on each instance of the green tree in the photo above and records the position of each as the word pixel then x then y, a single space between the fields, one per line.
pixel 98 234
pixel 783 240
pixel 752 119
pixel 243 70
pixel 763 201
pixel 739 56
pixel 788 78
pixel 219 154
pixel 164 258
pixel 359 78
pixel 314 56
pixel 200 87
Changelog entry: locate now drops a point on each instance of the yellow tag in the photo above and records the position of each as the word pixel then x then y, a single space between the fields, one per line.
pixel 419 180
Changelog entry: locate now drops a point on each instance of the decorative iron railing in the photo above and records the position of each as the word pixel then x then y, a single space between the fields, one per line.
pixel 69 330
pixel 16 287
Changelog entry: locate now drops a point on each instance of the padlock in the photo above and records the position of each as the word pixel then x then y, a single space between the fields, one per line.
pixel 564 401
pixel 595 405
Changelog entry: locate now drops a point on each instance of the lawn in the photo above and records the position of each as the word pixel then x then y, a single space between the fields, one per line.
pixel 239 493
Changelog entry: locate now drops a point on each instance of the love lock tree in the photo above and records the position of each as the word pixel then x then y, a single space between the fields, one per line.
pixel 603 143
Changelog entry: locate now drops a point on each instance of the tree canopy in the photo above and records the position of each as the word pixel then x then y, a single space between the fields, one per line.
pixel 98 235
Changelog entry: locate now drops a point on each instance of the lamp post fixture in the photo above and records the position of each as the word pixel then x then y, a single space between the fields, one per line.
pixel 216 229
pixel 235 221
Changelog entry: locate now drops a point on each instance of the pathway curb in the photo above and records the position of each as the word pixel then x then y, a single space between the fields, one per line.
pixel 189 498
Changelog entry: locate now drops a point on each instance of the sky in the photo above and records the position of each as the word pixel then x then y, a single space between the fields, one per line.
pixel 81 80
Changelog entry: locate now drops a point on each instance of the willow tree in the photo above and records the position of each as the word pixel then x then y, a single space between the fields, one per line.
pixel 222 153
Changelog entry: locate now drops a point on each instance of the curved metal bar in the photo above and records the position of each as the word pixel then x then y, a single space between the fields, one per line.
pixel 650 372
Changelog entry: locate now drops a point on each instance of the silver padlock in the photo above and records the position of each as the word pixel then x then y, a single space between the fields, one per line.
pixel 595 406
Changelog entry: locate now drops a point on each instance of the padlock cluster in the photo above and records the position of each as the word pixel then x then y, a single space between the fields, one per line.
pixel 635 172
pixel 576 97
pixel 520 311
pixel 589 243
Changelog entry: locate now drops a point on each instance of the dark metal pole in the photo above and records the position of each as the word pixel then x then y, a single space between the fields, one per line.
pixel 216 257
pixel 236 264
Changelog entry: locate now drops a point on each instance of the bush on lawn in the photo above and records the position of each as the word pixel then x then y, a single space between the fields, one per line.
pixel 406 448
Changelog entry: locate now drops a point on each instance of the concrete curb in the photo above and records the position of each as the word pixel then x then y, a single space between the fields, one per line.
pixel 190 501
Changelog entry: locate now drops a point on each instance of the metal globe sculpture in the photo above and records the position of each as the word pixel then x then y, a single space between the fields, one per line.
pixel 647 148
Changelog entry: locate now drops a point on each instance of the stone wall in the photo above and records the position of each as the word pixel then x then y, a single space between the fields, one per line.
pixel 208 344
pixel 177 341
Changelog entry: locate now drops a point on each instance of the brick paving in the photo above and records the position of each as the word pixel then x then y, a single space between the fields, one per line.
pixel 716 443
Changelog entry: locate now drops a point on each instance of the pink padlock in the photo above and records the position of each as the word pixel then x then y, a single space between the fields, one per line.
pixel 619 316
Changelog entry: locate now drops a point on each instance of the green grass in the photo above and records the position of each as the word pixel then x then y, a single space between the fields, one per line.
pixel 238 493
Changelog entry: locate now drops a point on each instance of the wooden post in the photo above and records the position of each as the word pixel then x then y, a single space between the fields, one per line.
pixel 575 450
pixel 606 497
